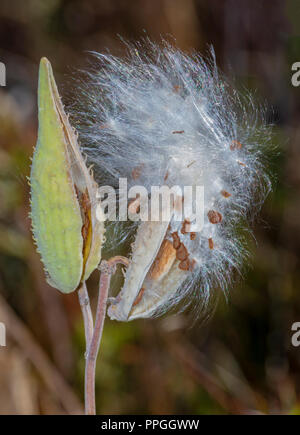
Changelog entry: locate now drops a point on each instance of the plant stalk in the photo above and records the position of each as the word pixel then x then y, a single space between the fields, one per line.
pixel 107 269
pixel 85 306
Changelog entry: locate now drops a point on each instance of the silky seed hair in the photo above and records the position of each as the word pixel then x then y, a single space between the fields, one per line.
pixel 160 116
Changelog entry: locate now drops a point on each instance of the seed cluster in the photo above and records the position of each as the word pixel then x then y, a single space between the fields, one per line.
pixel 162 117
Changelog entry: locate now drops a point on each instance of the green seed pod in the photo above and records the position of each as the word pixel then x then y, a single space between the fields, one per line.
pixel 63 195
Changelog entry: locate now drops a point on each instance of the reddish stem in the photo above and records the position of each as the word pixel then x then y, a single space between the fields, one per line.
pixel 107 269
pixel 85 306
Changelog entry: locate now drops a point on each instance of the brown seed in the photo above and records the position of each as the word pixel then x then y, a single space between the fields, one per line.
pixel 241 163
pixel 184 264
pixel 136 172
pixel 185 226
pixel 166 176
pixel 176 88
pixel 176 240
pixel 178 132
pixel 235 145
pixel 182 253
pixel 214 217
pixel 192 236
pixel 211 243
pixel 139 297
pixel 225 193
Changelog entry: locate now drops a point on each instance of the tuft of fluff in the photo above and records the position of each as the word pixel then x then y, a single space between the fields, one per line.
pixel 161 110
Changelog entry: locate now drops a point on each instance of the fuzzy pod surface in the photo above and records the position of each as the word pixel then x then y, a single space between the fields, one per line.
pixel 63 195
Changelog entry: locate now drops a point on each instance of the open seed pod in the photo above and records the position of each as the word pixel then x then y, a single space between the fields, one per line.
pixel 160 117
pixel 159 265
pixel 63 195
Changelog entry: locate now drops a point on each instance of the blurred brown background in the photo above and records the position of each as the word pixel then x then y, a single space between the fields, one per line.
pixel 241 359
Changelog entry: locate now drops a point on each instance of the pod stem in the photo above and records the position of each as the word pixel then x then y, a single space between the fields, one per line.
pixel 85 306
pixel 107 269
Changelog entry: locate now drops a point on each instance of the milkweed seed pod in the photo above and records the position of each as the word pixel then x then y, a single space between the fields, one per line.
pixel 163 118
pixel 63 195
